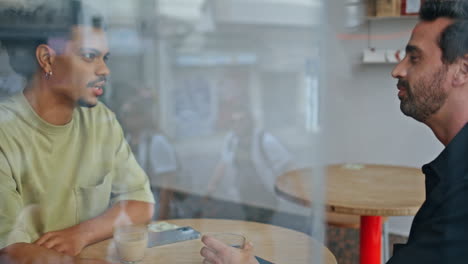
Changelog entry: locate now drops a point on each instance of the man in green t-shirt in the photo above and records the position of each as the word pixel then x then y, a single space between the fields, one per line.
pixel 67 175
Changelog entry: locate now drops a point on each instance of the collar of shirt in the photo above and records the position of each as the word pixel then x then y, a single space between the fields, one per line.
pixel 451 165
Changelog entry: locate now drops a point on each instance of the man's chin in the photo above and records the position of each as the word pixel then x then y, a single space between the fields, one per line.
pixel 412 112
pixel 405 109
pixel 87 103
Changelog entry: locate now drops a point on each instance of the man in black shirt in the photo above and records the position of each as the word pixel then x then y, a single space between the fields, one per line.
pixel 433 89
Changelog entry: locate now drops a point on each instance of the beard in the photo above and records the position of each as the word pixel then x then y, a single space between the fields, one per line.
pixel 426 97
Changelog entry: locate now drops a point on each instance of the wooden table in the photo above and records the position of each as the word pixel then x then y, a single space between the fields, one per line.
pixel 371 191
pixel 273 243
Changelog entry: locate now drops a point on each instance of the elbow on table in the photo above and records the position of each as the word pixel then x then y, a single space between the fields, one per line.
pixel 140 212
pixel 149 212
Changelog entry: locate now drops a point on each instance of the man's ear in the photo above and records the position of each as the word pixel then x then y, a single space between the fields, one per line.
pixel 45 56
pixel 461 75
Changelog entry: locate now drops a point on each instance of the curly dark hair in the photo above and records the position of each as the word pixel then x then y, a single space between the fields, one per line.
pixel 23 30
pixel 454 39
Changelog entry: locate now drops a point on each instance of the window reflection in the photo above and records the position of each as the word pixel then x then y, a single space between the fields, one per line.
pixel 216 99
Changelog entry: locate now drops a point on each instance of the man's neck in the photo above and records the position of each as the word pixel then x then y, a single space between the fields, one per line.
pixel 452 117
pixel 447 124
pixel 50 107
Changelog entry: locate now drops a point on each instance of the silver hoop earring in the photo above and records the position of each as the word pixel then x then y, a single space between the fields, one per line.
pixel 47 75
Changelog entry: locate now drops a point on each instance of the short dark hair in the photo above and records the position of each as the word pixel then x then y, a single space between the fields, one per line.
pixel 454 39
pixel 23 30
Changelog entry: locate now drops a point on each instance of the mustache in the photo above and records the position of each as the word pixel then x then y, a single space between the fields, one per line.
pixel 403 83
pixel 100 79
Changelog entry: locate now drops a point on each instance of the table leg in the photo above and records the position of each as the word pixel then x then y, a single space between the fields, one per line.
pixel 371 240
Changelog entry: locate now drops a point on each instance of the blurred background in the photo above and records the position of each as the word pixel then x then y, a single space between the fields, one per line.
pixel 218 98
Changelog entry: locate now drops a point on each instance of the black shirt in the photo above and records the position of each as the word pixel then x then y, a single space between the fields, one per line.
pixel 439 232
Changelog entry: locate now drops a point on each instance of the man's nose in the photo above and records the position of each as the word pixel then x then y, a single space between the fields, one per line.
pixel 400 70
pixel 103 69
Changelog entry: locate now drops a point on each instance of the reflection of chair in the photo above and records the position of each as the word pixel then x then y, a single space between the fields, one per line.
pixel 354 221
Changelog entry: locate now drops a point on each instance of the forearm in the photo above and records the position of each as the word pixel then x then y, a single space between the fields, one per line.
pixel 101 227
pixel 24 253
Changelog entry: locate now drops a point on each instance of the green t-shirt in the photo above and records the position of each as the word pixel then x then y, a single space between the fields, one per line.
pixel 53 177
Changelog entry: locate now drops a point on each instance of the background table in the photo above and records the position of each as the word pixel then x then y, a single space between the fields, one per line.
pixel 370 191
pixel 273 243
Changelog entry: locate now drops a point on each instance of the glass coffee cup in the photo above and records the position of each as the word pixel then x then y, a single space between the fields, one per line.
pixel 131 243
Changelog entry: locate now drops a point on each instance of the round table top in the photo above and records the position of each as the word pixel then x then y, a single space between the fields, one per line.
pixel 273 243
pixel 360 189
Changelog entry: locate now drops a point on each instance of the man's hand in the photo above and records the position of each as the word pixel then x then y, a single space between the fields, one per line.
pixel 72 240
pixel 216 252
pixel 69 241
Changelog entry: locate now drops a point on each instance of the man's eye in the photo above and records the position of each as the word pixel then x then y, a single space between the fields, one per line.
pixel 414 58
pixel 89 56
